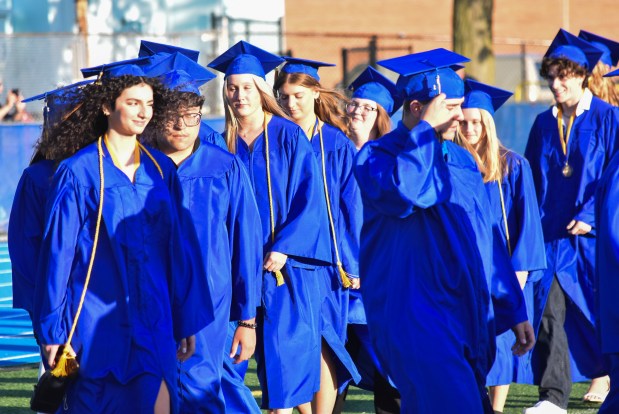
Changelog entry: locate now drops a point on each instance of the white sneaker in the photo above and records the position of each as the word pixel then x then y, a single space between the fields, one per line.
pixel 544 407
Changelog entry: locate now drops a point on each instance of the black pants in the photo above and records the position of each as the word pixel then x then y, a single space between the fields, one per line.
pixel 386 397
pixel 551 360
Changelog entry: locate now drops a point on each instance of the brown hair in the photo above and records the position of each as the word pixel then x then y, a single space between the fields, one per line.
pixel 603 88
pixel 565 68
pixel 383 121
pixel 329 107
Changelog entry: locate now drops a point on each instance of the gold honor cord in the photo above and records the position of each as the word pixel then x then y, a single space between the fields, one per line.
pixel 509 247
pixel 136 155
pixel 278 274
pixel 567 168
pixel 343 275
pixel 67 362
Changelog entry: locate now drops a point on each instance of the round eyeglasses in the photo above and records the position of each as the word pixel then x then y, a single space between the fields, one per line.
pixel 190 119
pixel 365 109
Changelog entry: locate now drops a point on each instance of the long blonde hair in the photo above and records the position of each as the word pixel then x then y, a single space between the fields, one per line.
pixel 489 153
pixel 267 100
pixel 329 107
pixel 603 88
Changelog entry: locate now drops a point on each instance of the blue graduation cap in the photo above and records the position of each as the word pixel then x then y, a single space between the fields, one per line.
pixel 566 45
pixel 610 48
pixel 163 63
pixel 482 96
pixel 371 84
pixel 148 48
pixel 426 74
pixel 309 67
pixel 59 101
pixel 245 58
pixel 181 81
pixel 132 67
pixel 612 73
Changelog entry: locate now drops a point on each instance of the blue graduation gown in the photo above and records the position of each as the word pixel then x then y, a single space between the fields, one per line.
pixel 527 247
pixel 289 318
pixel 571 259
pixel 347 212
pixel 607 256
pixel 427 284
pixel 208 134
pixel 26 224
pixel 220 201
pixel 143 296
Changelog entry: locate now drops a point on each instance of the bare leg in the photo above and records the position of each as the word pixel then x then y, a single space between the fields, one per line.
pixel 162 405
pixel 281 411
pixel 324 400
pixel 498 396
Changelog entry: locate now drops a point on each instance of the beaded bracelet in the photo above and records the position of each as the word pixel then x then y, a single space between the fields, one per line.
pixel 247 325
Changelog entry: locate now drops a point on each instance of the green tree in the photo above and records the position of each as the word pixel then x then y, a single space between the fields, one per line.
pixel 472 36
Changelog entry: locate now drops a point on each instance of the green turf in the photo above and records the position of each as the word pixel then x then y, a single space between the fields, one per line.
pixel 16 388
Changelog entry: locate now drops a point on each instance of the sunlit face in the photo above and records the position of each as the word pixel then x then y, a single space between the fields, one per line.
pixel 297 101
pixel 133 109
pixel 181 131
pixel 243 95
pixel 362 114
pixel 449 130
pixel 567 89
pixel 471 126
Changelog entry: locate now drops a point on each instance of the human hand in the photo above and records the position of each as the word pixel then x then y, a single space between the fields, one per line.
pixel 576 227
pixel 525 338
pixel 246 338
pixel 274 261
pixel 355 283
pixel 186 348
pixel 437 113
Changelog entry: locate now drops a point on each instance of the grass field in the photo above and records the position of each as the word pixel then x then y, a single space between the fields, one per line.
pixel 16 388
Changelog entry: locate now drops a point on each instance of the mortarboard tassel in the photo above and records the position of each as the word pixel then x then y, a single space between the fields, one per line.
pixel 279 277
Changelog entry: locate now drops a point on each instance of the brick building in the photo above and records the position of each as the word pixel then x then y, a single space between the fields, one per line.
pixel 320 29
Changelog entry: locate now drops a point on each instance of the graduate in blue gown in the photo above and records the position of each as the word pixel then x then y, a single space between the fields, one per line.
pixel 374 99
pixel 607 268
pixel 142 298
pixel 436 291
pixel 513 203
pixel 27 219
pixel 219 197
pixel 569 147
pixel 285 178
pixel 319 111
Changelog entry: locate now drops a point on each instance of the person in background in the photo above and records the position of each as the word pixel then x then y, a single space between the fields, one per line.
pixel 424 204
pixel 509 184
pixel 602 87
pixel 286 182
pixel 142 298
pixel 319 112
pixel 374 99
pixel 569 147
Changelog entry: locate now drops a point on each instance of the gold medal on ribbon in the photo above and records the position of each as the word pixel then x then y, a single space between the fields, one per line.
pixel 567 170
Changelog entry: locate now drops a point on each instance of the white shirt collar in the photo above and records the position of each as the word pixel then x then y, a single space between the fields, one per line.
pixel 583 105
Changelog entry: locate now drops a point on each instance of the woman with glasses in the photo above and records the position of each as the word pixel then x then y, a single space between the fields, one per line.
pixel 371 106
pixel 509 184
pixel 319 112
pixel 288 191
pixel 116 203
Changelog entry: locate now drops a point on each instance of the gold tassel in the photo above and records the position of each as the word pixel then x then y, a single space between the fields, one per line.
pixel 345 281
pixel 279 277
pixel 66 364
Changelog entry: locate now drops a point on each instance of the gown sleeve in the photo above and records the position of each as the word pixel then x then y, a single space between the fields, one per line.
pixel 382 172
